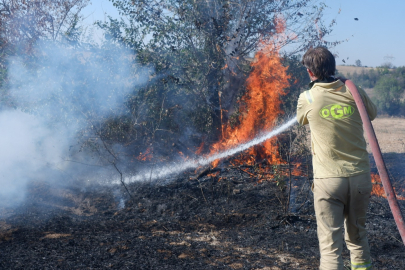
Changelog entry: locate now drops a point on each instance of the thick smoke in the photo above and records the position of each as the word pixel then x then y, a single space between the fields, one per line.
pixel 51 99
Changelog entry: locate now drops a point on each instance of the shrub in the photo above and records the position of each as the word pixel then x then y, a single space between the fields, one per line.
pixel 388 94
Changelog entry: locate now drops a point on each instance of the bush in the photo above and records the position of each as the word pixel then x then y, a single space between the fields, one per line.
pixel 388 94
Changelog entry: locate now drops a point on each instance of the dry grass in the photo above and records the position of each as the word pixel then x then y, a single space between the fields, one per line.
pixel 351 69
pixel 390 133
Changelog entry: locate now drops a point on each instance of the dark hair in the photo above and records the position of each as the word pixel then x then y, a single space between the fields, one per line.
pixel 320 61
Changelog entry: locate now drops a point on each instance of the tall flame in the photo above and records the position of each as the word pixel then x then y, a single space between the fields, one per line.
pixel 378 189
pixel 260 105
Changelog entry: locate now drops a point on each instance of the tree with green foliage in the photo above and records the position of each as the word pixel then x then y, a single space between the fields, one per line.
pixel 388 87
pixel 389 92
pixel 199 51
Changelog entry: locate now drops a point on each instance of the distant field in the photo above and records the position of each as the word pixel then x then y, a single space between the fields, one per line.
pixel 390 133
pixel 351 69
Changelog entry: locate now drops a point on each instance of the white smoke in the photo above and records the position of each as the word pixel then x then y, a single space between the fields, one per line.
pixel 60 94
pixel 54 98
pixel 28 148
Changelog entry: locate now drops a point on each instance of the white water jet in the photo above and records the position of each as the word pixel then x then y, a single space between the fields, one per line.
pixel 162 171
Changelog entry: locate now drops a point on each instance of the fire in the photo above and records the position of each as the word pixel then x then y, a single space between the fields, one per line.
pixel 259 111
pixel 183 156
pixel 200 149
pixel 297 170
pixel 378 189
pixel 215 174
pixel 145 156
pixel 259 108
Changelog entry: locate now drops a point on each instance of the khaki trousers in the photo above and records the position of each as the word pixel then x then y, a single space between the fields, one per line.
pixel 341 201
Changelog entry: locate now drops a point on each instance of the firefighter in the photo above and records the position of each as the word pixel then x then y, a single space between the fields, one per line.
pixel 342 183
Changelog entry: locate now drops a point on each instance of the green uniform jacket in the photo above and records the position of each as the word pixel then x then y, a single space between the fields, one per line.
pixel 337 139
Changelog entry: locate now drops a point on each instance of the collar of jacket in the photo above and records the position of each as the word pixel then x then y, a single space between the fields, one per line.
pixel 328 81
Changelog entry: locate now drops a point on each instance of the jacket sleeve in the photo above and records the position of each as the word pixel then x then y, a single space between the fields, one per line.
pixel 302 110
pixel 370 106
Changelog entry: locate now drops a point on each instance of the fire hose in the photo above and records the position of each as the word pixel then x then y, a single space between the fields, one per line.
pixel 382 170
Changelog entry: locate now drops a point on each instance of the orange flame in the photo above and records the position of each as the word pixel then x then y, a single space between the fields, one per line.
pixel 378 189
pixel 145 156
pixel 297 170
pixel 260 107
pixel 200 149
pixel 215 174
pixel 183 156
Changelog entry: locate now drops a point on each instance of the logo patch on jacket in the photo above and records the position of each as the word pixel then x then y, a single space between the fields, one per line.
pixel 336 111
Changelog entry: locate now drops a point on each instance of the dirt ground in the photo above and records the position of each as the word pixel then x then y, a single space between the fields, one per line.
pixel 219 219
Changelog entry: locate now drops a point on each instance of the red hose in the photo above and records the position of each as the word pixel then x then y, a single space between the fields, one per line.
pixel 382 170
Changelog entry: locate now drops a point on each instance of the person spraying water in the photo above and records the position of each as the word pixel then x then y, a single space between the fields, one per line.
pixel 342 182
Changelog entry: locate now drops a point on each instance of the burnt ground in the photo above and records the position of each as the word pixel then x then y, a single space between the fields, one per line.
pixel 228 220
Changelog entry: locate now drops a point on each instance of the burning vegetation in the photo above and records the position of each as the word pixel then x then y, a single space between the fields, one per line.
pixel 118 132
pixel 259 108
pixel 378 189
pixel 224 219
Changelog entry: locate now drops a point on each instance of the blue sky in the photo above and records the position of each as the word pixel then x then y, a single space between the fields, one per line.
pixel 377 37
pixel 378 33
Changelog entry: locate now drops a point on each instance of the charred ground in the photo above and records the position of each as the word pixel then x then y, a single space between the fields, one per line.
pixel 224 219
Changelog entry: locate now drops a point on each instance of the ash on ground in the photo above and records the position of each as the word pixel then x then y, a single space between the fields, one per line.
pixel 223 220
